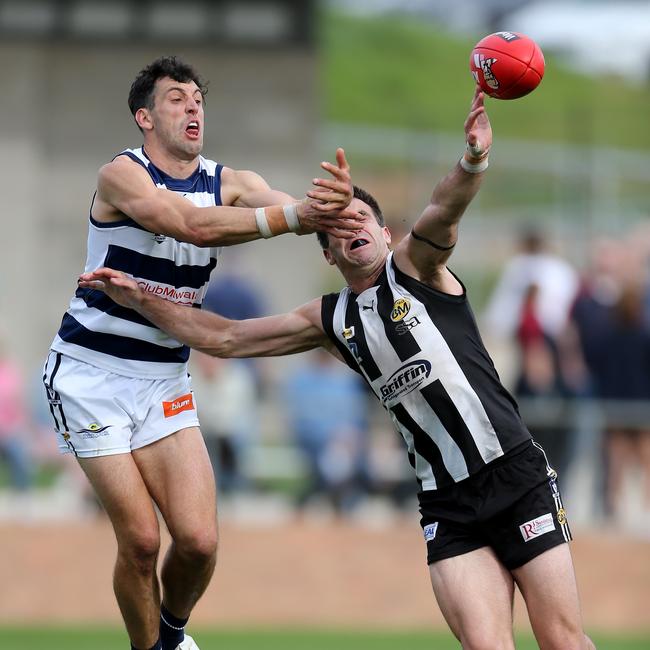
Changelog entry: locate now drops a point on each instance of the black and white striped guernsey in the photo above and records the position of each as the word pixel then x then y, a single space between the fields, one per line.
pixel 421 353
pixel 102 333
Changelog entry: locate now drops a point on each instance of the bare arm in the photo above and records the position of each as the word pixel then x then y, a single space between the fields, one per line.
pixel 424 252
pixel 124 188
pixel 295 331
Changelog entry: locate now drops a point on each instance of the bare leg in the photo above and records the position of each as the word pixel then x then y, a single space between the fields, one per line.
pixel 549 588
pixel 180 478
pixel 120 488
pixel 475 594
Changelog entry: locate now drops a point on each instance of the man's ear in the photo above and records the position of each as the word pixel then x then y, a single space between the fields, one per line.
pixel 387 236
pixel 328 257
pixel 143 119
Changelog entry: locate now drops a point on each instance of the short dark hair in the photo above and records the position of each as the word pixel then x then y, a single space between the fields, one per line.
pixel 369 200
pixel 141 93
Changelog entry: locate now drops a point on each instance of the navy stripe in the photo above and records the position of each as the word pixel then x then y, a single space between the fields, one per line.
pixel 99 300
pixel 424 445
pixel 115 224
pixel 198 181
pixel 123 347
pixel 443 406
pixel 158 269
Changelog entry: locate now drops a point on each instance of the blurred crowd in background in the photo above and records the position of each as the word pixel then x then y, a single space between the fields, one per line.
pixel 578 340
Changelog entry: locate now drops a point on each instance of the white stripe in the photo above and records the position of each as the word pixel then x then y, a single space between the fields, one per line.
pixel 423 469
pixel 119 366
pixel 416 406
pixel 450 374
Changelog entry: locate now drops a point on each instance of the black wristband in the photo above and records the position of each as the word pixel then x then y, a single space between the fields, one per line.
pixel 428 241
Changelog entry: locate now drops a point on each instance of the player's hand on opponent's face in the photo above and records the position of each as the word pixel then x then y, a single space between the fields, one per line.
pixel 478 130
pixel 115 284
pixel 326 208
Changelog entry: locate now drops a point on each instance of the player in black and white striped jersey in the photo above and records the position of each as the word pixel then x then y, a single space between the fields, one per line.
pixel 491 510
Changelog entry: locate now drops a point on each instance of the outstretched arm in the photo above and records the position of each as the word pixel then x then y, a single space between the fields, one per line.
pixel 424 252
pixel 125 189
pixel 295 331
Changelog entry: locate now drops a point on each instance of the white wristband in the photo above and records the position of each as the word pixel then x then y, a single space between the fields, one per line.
pixel 474 168
pixel 291 215
pixel 262 223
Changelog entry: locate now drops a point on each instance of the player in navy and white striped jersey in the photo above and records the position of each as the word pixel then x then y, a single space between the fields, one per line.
pixel 117 385
pixel 491 509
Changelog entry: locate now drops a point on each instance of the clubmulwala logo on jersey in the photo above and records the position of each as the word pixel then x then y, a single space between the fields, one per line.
pixel 405 379
pixel 178 405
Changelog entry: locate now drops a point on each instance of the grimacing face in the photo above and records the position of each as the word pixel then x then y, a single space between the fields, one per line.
pixel 366 250
pixel 176 119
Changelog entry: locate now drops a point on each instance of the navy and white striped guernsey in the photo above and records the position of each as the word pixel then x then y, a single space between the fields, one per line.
pixel 421 353
pixel 102 333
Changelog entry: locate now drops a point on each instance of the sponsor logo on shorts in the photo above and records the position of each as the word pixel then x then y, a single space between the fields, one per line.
pixel 430 531
pixel 180 404
pixel 537 527
pixel 94 430
pixel 66 436
pixel 561 516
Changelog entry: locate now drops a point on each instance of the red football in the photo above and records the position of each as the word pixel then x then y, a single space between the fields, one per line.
pixel 507 65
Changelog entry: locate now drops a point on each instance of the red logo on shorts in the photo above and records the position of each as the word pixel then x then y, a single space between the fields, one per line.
pixel 180 404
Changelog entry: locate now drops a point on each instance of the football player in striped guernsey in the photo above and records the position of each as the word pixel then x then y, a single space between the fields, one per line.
pixel 118 386
pixel 492 515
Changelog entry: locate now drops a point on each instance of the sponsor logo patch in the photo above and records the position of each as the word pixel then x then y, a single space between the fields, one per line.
pixel 430 531
pixel 405 379
pixel 180 404
pixel 94 430
pixel 561 516
pixel 537 527
pixel 401 307
pixel 406 325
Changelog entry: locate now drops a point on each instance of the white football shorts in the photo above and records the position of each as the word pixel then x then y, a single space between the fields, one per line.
pixel 99 413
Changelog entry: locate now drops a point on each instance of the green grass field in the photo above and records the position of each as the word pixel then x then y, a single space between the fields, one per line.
pixel 110 639
pixel 400 72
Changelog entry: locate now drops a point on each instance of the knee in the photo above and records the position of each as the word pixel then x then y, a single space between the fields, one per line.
pixel 565 638
pixel 198 546
pixel 140 549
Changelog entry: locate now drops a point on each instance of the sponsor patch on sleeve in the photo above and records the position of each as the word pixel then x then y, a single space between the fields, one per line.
pixel 536 527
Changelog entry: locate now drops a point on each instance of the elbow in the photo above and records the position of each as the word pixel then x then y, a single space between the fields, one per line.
pixel 221 347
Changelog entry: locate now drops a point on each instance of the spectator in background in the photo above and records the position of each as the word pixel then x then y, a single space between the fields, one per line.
pixel 620 368
pixel 327 411
pixel 556 282
pixel 14 422
pixel 530 306
pixel 231 293
pixel 227 400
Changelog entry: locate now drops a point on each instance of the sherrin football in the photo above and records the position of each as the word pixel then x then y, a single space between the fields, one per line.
pixel 507 65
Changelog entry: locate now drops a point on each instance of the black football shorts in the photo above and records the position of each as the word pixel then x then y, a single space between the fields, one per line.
pixel 512 505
